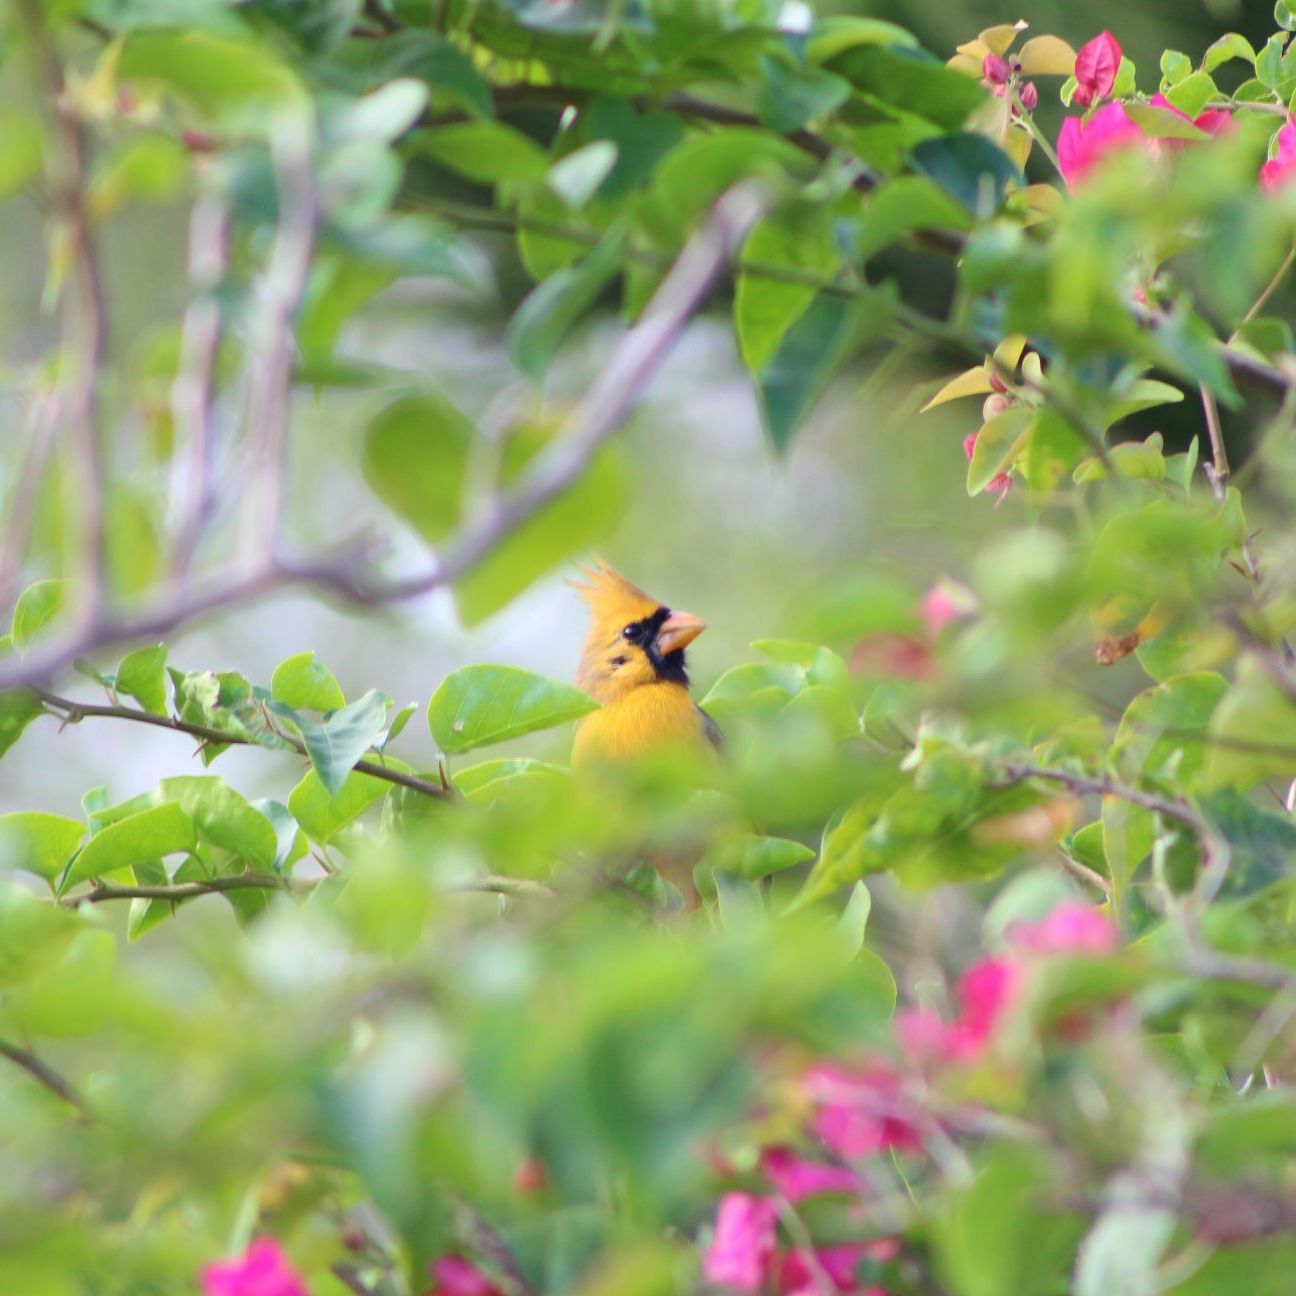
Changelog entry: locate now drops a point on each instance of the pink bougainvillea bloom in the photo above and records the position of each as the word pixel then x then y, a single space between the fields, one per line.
pixel 455 1276
pixel 800 1276
pixel 796 1178
pixel 1070 929
pixel 1282 166
pixel 262 1270
pixel 985 992
pixel 1096 66
pixel 741 1253
pixel 861 1112
pixel 1082 144
pixel 938 610
pixel 995 69
pixel 1214 121
pixel 923 1036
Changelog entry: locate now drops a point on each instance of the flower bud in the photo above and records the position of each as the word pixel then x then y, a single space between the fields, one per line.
pixel 995 404
pixel 997 384
pixel 1083 96
pixel 1029 96
pixel 994 67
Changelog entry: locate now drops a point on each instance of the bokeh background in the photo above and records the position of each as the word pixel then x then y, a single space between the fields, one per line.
pixel 714 521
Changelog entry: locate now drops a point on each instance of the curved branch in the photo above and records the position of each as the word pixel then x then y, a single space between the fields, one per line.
pixel 631 367
pixel 76 711
pixel 44 1074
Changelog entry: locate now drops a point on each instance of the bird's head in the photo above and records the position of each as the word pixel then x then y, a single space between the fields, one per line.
pixel 633 639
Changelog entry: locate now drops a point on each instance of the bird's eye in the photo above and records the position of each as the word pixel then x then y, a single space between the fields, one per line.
pixel 633 633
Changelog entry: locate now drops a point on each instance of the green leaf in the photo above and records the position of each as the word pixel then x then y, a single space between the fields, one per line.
pixel 1232 45
pixel 34 934
pixel 18 708
pixel 911 81
pixel 1174 68
pixel 576 520
pixel 290 841
pixel 542 322
pixel 415 457
pixel 1269 61
pixel 222 817
pixel 905 204
pixel 804 363
pixel 39 843
pixel 322 816
pixel 1254 728
pixel 991 1239
pixel 37 606
pixel 792 96
pixel 576 178
pixel 836 33
pixel 302 682
pixel 999 442
pixel 381 116
pixel 486 151
pixel 1261 845
pixel 142 675
pixel 1155 736
pixel 971 169
pixel 136 839
pixel 336 743
pixel 1132 459
pixel 754 857
pixel 480 705
pixel 765 308
pixel 1193 93
pixel 641 141
pixel 1146 393
pixel 238 85
pixel 448 72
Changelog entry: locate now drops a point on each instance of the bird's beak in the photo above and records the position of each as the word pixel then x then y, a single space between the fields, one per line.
pixel 678 631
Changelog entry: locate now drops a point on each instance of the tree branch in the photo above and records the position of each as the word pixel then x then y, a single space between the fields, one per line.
pixel 190 890
pixel 632 365
pixel 44 1074
pixel 84 326
pixel 73 712
pixel 1083 784
pixel 193 390
pixel 270 385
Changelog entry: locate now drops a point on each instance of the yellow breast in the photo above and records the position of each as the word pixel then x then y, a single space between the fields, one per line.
pixel 639 721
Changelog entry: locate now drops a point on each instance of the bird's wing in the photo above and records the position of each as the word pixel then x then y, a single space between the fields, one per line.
pixel 712 731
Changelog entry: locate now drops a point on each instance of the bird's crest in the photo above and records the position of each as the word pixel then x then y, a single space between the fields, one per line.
pixel 608 593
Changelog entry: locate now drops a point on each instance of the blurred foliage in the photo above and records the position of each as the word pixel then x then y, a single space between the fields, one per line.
pixel 413 1011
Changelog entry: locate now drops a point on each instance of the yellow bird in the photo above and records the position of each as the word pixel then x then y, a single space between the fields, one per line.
pixel 633 664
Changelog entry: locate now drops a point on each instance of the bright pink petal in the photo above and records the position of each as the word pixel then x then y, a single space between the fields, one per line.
pixel 923 1036
pixel 455 1276
pixel 1084 143
pixel 938 609
pixel 797 1178
pixel 262 1270
pixel 1214 121
pixel 1069 929
pixel 985 991
pixel 1096 66
pixel 861 1112
pixel 742 1248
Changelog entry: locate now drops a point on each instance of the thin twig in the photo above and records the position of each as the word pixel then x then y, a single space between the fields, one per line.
pixel 632 365
pixel 75 711
pixel 44 1074
pixel 1081 783
pixel 176 891
pixel 1217 471
pixel 85 323
pixel 193 389
pixel 270 383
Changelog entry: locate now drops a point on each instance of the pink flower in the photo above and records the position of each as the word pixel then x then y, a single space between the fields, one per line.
pixel 1214 121
pixel 1070 929
pixel 1096 66
pixel 985 992
pixel 997 484
pixel 942 605
pixel 861 1112
pixel 797 1178
pixel 923 1035
pixel 1083 143
pixel 799 1275
pixel 995 69
pixel 455 1276
pixel 262 1270
pixel 1282 166
pixel 742 1247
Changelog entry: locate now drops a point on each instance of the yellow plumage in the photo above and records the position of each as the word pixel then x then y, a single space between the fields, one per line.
pixel 633 664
